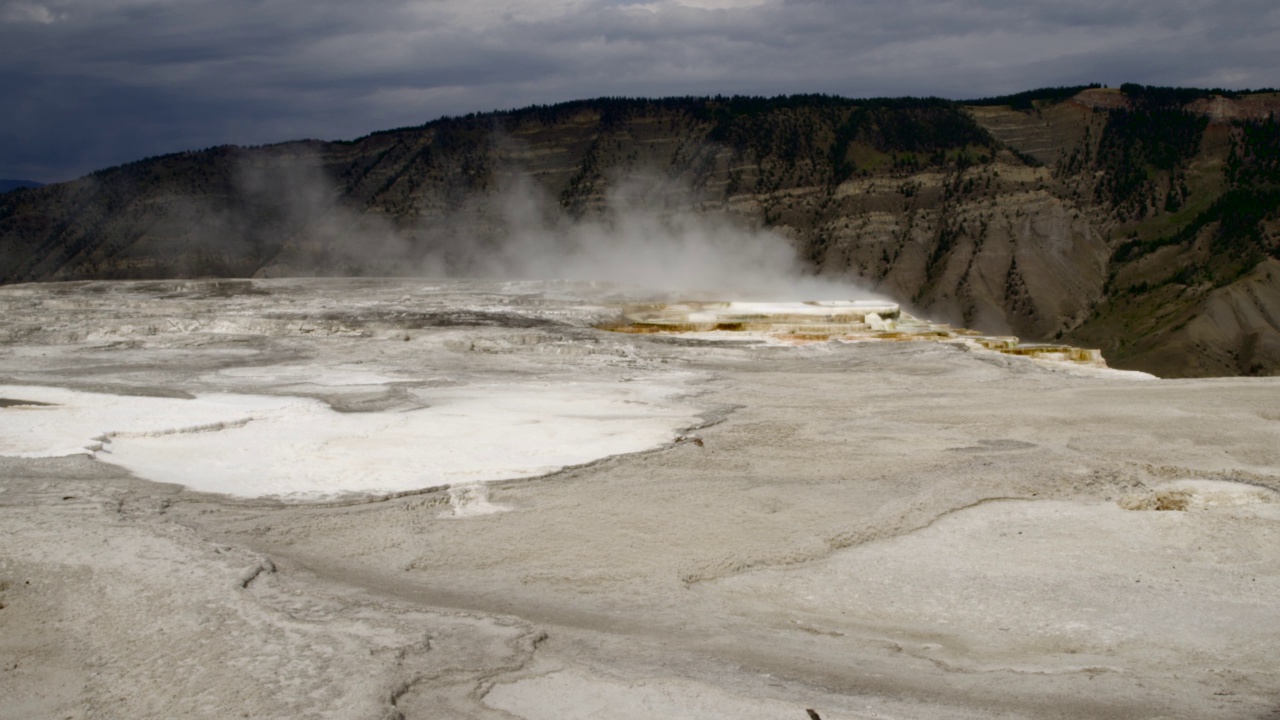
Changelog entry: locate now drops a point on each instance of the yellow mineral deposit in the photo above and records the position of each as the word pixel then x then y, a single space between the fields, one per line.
pixel 796 323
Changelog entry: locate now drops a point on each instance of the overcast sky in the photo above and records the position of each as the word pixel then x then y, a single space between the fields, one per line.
pixel 89 83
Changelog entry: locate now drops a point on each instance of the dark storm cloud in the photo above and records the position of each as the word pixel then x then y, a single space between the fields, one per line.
pixel 89 83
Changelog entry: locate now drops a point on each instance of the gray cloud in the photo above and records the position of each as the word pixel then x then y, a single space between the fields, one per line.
pixel 90 83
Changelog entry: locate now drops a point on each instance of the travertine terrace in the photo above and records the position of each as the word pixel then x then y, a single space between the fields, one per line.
pixel 825 321
pixel 417 499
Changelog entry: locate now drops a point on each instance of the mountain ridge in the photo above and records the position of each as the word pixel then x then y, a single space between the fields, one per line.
pixel 10 184
pixel 1140 220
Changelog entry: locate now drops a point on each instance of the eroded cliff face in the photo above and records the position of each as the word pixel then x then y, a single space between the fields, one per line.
pixel 1106 217
pixel 989 248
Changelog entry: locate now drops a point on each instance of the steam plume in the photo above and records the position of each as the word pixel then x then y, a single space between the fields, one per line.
pixel 645 231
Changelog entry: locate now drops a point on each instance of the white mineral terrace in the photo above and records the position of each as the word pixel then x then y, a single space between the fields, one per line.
pixel 828 321
pixel 373 498
pixel 769 314
pixel 300 449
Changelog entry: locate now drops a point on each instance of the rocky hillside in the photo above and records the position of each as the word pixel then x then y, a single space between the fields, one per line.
pixel 1143 221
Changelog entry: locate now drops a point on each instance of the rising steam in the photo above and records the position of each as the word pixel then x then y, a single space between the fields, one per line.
pixel 646 231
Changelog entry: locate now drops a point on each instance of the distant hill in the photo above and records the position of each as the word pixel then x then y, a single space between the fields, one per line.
pixel 6 185
pixel 1141 220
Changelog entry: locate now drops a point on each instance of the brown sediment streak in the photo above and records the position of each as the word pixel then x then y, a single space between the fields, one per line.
pixel 797 323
